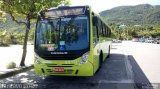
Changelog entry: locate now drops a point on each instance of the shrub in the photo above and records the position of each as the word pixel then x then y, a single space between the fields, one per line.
pixel 11 65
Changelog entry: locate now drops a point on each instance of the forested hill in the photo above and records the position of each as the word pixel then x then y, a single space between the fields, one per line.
pixel 143 14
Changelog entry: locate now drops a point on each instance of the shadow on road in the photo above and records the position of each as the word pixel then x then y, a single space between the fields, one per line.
pixel 112 75
pixel 140 79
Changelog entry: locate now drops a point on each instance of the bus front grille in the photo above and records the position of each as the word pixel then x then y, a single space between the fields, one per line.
pixel 61 65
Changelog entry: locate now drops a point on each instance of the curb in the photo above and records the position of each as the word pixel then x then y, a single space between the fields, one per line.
pixel 16 71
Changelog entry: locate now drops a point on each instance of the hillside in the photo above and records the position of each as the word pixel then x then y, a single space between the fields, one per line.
pixel 12 26
pixel 13 33
pixel 143 14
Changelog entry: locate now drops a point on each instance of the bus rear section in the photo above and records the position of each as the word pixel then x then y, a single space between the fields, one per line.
pixel 62 42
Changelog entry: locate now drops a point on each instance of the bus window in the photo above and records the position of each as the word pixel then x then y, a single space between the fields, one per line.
pixel 95 30
pixel 107 32
pixel 72 32
pixel 100 34
pixel 95 34
pixel 104 30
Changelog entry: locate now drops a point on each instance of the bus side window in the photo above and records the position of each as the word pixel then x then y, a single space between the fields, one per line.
pixel 104 30
pixel 95 34
pixel 100 28
pixel 108 32
pixel 95 30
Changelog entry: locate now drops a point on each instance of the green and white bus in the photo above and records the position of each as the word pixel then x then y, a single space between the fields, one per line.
pixel 70 41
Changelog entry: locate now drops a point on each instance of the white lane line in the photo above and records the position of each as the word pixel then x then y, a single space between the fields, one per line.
pixel 128 65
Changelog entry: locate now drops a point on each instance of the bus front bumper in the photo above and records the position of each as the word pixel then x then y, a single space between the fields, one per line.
pixel 85 69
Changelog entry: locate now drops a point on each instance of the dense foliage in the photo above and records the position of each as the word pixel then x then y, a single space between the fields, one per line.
pixel 14 37
pixel 13 33
pixel 140 20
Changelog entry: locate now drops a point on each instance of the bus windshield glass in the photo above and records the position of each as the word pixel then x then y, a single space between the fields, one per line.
pixel 62 33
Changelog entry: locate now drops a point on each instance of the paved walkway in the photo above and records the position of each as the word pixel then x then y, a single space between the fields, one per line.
pixel 14 53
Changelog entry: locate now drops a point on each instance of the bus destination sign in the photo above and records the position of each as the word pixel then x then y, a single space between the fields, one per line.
pixel 64 12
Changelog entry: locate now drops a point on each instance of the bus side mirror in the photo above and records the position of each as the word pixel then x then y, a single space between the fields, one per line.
pixel 95 20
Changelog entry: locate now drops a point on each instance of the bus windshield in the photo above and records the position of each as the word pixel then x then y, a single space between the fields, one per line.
pixel 62 33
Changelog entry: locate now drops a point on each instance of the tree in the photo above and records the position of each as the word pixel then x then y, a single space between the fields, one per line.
pixel 2 14
pixel 23 11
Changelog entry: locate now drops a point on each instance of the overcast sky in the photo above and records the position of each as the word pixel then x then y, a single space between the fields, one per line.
pixel 100 5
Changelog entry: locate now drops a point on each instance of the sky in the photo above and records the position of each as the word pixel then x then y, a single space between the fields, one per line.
pixel 100 5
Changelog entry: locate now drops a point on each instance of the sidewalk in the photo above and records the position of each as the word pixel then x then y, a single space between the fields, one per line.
pixel 14 53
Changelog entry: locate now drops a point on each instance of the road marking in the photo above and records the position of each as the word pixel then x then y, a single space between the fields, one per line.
pixel 123 84
pixel 121 81
pixel 129 70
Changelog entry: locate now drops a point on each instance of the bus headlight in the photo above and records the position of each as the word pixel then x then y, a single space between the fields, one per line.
pixel 37 59
pixel 84 58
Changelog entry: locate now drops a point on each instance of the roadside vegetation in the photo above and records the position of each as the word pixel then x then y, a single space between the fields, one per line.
pixel 14 37
pixel 130 32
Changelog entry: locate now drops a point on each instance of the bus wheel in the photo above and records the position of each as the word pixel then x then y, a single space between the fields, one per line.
pixel 108 53
pixel 100 60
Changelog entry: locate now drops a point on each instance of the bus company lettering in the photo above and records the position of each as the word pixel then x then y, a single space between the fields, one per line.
pixel 59 52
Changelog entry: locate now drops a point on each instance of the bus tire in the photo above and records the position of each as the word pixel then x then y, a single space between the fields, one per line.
pixel 100 60
pixel 108 52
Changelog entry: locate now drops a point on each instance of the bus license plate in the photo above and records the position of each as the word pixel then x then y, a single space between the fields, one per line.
pixel 58 69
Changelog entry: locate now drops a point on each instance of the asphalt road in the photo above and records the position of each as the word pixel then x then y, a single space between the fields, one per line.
pixel 129 67
pixel 145 61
